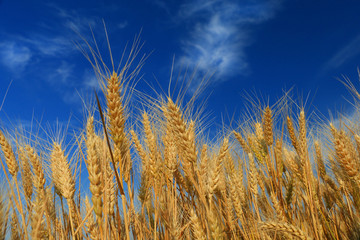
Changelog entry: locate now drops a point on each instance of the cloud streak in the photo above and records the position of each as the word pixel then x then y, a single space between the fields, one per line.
pixel 220 34
pixel 349 51
pixel 48 45
pixel 17 50
pixel 74 20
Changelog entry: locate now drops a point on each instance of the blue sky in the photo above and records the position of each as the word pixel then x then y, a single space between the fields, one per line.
pixel 250 45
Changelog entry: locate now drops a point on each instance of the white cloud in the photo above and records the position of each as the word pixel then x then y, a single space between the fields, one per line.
pixel 63 73
pixel 17 51
pixel 14 56
pixel 344 54
pixel 220 33
pixel 214 46
pixel 90 81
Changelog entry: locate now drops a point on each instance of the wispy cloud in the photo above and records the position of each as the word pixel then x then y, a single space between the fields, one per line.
pixel 74 19
pixel 43 42
pixel 50 53
pixel 48 45
pixel 90 81
pixel 220 34
pixel 16 52
pixel 122 25
pixel 347 52
pixel 62 74
pixel 14 56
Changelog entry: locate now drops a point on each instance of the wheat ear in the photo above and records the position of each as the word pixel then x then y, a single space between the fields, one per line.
pixel 292 134
pixel 285 228
pixel 61 170
pixel 90 223
pixel 10 159
pixel 14 227
pixel 319 160
pixel 94 169
pixel 27 179
pixel 116 114
pixel 344 156
pixel 268 126
pixel 242 142
pixel 39 181
pixel 198 230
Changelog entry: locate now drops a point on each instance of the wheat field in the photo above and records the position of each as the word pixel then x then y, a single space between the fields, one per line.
pixel 275 176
